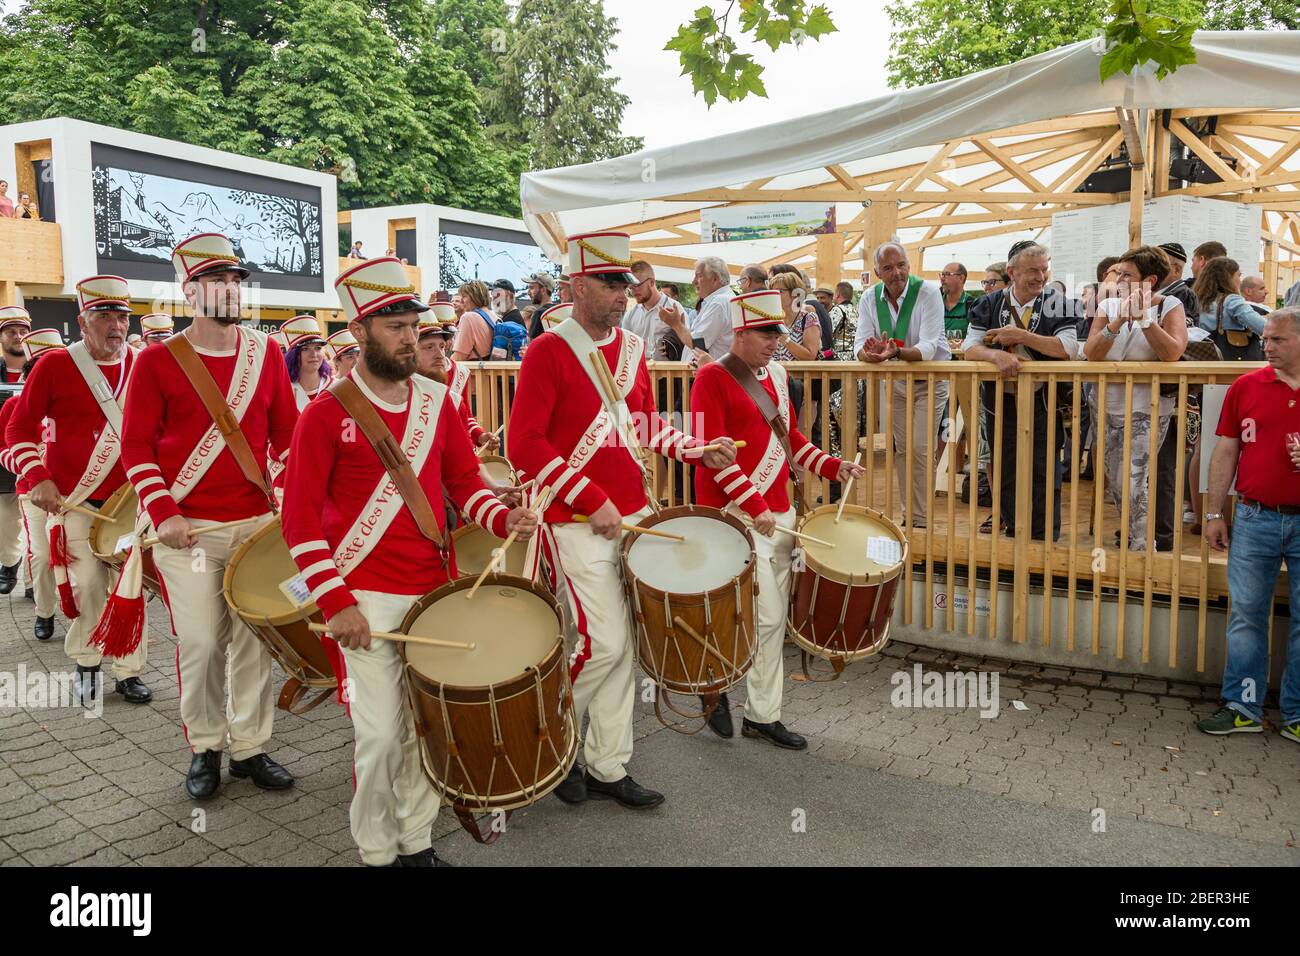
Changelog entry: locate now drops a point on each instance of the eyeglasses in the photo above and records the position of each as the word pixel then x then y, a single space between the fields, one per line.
pixel 951 275
pixel 631 290
pixel 988 282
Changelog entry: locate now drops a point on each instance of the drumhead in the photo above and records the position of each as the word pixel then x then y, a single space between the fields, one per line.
pixel 851 537
pixel 514 629
pixel 254 575
pixel 712 555
pixel 473 546
pixel 107 529
pixel 498 469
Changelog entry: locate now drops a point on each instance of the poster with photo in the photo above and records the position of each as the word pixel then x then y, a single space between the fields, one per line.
pixel 145 204
pixel 467 251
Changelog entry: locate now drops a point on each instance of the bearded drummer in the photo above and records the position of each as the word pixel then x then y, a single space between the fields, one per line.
pixel 80 390
pixel 365 582
pixel 562 434
pixel 189 474
pixel 735 396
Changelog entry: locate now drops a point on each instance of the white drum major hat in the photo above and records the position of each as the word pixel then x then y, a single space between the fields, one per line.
pixel 14 315
pixel 342 343
pixel 601 253
pixel 156 323
pixel 758 310
pixel 204 253
pixel 103 294
pixel 42 340
pixel 439 320
pixel 377 285
pixel 301 330
pixel 557 313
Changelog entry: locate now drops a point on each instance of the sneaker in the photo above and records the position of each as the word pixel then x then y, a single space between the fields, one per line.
pixel 1225 720
pixel 1291 731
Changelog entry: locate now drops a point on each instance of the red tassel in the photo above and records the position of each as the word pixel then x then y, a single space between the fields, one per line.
pixel 67 600
pixel 58 546
pixel 121 626
pixel 59 565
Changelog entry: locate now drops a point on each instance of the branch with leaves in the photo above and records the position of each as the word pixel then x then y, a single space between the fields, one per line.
pixel 708 52
pixel 1136 35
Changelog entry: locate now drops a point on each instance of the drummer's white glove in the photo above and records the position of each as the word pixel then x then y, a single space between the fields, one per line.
pixel 766 523
pixel 847 470
pixel 350 628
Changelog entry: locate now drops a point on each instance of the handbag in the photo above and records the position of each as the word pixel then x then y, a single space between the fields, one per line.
pixel 1237 345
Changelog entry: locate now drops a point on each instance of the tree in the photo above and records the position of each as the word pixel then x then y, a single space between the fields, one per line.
pixel 707 51
pixel 475 33
pixel 555 95
pixel 941 39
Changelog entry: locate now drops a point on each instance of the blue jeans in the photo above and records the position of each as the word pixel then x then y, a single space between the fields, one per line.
pixel 1261 540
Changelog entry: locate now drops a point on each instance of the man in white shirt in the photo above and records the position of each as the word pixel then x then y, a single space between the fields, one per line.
pixel 712 323
pixel 655 316
pixel 901 318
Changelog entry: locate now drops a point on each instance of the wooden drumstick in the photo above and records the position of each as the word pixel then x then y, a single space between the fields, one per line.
pixel 407 638
pixel 844 496
pixel 76 509
pixel 150 542
pixel 717 447
pixel 500 552
pixel 484 447
pixel 636 529
pixel 806 537
pixel 690 631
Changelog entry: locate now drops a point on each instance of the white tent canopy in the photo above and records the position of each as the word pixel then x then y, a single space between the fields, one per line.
pixel 1234 70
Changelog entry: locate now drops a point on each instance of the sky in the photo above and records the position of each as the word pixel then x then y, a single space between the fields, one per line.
pixel 842 68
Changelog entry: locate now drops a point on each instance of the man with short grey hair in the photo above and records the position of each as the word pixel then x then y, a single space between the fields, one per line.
pixel 901 317
pixel 752 279
pixel 1254 290
pixel 711 331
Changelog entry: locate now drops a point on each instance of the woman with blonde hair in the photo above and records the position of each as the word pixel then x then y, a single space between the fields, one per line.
pixel 476 324
pixel 804 340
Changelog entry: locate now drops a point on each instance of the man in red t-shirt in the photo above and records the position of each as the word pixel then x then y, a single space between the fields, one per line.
pixel 1259 444
pixel 79 391
pixel 188 477
pixel 14 324
pixel 755 485
pixel 365 582
pixel 562 434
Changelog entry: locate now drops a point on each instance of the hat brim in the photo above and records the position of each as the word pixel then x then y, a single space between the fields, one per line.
pixel 397 308
pixel 107 307
pixel 221 267
pixel 617 276
pixel 767 327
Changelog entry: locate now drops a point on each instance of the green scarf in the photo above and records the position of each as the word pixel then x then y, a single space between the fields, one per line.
pixel 891 331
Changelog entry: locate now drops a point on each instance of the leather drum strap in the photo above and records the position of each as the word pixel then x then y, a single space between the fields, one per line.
pixel 744 377
pixel 202 382
pixel 390 455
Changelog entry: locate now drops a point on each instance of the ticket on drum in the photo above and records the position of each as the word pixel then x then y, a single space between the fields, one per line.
pixel 296 590
pixel 124 543
pixel 884 550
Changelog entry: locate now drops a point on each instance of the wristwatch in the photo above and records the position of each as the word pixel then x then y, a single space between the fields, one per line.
pixel 1146 323
pixel 1216 516
pixel 1106 333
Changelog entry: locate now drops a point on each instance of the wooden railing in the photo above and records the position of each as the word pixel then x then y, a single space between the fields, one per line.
pixel 951 557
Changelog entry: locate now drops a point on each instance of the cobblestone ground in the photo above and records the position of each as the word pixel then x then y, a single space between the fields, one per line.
pixel 109 791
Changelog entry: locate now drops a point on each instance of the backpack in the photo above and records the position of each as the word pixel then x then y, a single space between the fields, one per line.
pixel 511 338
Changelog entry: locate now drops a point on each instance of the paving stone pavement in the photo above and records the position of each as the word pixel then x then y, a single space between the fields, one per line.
pixel 109 790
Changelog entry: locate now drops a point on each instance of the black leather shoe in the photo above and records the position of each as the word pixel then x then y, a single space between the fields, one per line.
pixel 423 858
pixel 87 685
pixel 266 773
pixel 8 578
pixel 204 776
pixel 776 733
pixel 44 628
pixel 626 791
pixel 572 789
pixel 28 593
pixel 134 690
pixel 720 720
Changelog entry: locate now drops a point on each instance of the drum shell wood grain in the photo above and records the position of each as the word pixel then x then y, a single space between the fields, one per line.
pixel 454 723
pixel 669 656
pixel 819 596
pixel 271 615
pixel 117 518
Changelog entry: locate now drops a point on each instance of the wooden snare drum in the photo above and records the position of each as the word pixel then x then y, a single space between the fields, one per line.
pixel 473 546
pixel 843 599
pixel 496 723
pixel 693 603
pixel 117 518
pixel 498 469
pixel 252 587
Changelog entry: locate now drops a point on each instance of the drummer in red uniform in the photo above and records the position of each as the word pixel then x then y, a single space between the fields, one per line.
pixel 723 402
pixel 443 319
pixel 563 435
pixel 342 351
pixel 364 581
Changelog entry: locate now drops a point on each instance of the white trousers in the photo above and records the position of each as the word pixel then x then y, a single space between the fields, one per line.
pixel 766 677
pixel 11 525
pixel 605 687
pixel 919 413
pixel 208 632
pixel 394 804
pixel 91 580
pixel 38 559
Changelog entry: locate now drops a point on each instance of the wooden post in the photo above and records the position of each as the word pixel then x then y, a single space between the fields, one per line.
pixel 8 292
pixel 1270 270
pixel 1136 199
pixel 830 257
pixel 881 226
